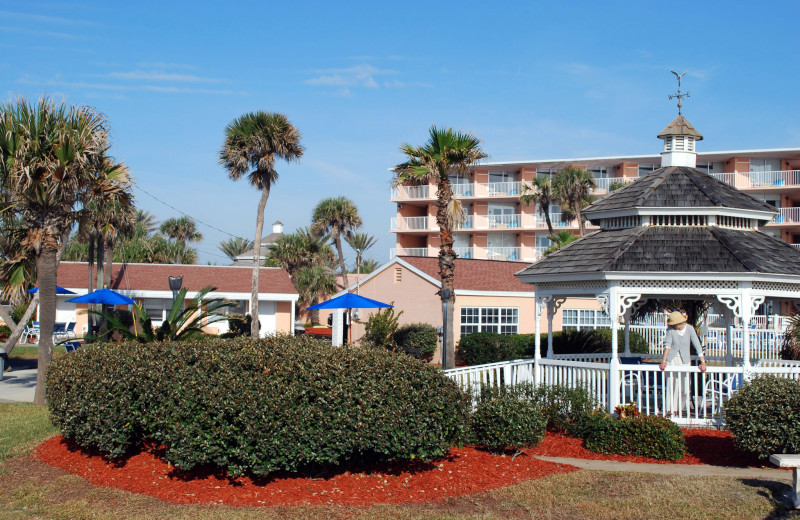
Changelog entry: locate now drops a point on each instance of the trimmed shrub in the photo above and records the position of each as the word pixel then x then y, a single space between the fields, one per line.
pixel 422 336
pixel 565 409
pixel 507 420
pixel 255 406
pixel 380 328
pixel 641 435
pixel 763 416
pixel 490 347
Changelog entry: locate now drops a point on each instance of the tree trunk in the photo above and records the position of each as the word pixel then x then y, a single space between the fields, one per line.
pixel 338 240
pixel 91 282
pixel 315 312
pixel 46 267
pixel 109 259
pixel 581 229
pixel 447 267
pixel 101 256
pixel 12 340
pixel 5 313
pixel 262 204
pixel 547 219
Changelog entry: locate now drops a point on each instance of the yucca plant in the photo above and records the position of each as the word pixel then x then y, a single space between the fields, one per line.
pixel 182 322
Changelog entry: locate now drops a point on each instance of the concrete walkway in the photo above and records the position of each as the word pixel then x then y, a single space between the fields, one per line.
pixel 674 469
pixel 19 384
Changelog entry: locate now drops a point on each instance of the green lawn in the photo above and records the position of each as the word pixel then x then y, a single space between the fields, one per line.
pixel 22 426
pixel 31 489
pixel 32 351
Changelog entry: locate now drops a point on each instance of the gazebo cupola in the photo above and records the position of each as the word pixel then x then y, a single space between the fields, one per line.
pixel 679 143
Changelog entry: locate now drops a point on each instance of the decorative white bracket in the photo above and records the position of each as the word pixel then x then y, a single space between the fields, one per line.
pixel 757 301
pixel 626 301
pixel 541 301
pixel 731 302
pixel 554 304
pixel 603 299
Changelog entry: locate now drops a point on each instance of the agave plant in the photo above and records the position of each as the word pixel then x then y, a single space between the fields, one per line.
pixel 182 322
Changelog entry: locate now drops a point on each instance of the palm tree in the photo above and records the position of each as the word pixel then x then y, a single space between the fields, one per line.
pixel 360 242
pixel 145 223
pixel 183 229
pixel 235 246
pixel 313 282
pixel 298 250
pixel 337 217
pixel 49 157
pixel 559 240
pixel 368 265
pixel 445 152
pixel 539 192
pixel 574 187
pixel 253 142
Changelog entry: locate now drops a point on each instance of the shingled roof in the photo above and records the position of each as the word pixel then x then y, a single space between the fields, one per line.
pixel 476 275
pixel 676 187
pixel 153 277
pixel 680 126
pixel 671 249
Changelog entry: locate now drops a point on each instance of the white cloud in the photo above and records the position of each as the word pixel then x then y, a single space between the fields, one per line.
pixel 39 32
pixel 92 86
pixel 160 75
pixel 356 76
pixel 38 18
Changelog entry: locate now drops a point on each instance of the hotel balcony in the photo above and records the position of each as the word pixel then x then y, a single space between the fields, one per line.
pixel 487 190
pixel 512 190
pixel 428 224
pixel 520 254
pixel 762 180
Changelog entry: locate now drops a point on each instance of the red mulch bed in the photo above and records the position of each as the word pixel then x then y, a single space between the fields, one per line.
pixel 713 447
pixel 463 471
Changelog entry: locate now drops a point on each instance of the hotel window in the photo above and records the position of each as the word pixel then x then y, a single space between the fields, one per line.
pixel 546 172
pixel 502 176
pixel 584 319
pixel 598 172
pixel 645 168
pixel 503 320
pixel 709 167
pixel 764 165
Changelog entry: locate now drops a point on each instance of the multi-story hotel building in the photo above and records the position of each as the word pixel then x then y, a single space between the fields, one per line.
pixel 500 227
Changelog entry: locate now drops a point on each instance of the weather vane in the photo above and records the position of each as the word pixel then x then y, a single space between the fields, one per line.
pixel 679 95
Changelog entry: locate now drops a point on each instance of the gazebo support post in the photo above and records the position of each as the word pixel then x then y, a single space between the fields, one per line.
pixel 537 340
pixel 728 316
pixel 550 312
pixel 746 311
pixel 614 365
pixel 628 332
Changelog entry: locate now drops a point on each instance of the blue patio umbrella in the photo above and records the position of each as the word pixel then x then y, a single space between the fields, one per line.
pixel 104 296
pixel 350 301
pixel 59 290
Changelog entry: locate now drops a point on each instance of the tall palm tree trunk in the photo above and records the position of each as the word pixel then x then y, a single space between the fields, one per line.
pixel 91 282
pixel 257 262
pixel 581 229
pixel 341 260
pixel 109 259
pixel 46 266
pixel 547 219
pixel 447 267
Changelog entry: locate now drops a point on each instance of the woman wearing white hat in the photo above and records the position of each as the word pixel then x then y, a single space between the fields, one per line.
pixel 677 353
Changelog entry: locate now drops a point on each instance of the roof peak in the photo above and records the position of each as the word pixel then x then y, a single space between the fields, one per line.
pixel 680 126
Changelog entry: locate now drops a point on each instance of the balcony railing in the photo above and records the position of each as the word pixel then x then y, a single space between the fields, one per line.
pixel 769 179
pixel 760 179
pixel 483 222
pixel 520 254
pixel 787 216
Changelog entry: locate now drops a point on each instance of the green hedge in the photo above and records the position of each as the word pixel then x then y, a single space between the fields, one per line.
pixel 642 436
pixel 255 406
pixel 507 420
pixel 489 347
pixel 422 336
pixel 764 416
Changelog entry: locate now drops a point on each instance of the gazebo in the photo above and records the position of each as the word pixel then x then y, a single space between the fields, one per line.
pixel 676 233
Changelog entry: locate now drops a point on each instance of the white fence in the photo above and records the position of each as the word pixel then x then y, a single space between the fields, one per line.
pixel 764 343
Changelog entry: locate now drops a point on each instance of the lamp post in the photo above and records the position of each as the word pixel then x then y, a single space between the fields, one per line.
pixel 445 297
pixel 175 283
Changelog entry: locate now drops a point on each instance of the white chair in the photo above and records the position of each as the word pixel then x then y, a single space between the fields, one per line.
pixel 719 388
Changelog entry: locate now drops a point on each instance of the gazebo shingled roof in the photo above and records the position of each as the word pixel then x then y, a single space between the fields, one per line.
pixel 675 187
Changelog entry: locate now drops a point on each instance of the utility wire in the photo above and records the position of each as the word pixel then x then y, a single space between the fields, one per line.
pixel 187 215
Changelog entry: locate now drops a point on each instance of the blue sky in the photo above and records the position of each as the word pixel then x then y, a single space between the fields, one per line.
pixel 531 79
